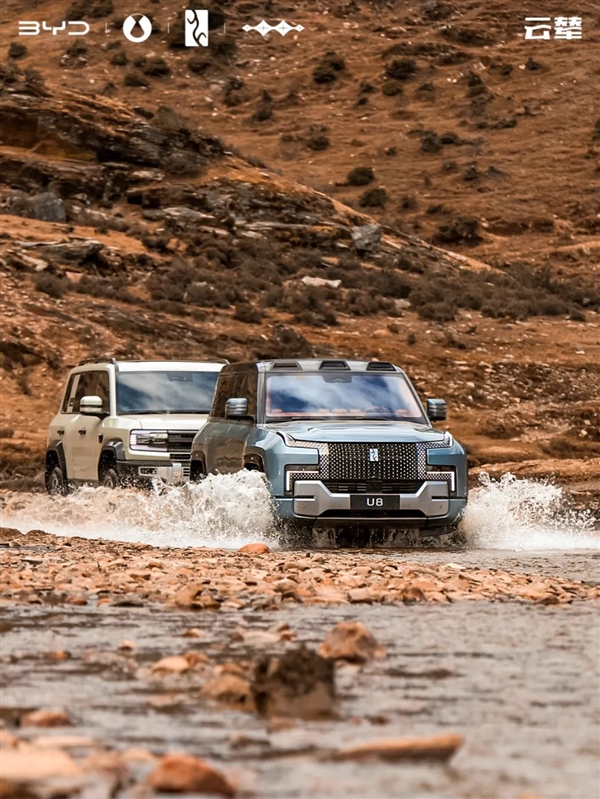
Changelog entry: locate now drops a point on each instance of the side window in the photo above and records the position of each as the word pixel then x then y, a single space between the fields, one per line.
pixel 91 384
pixel 244 385
pixel 249 391
pixel 68 398
pixel 223 393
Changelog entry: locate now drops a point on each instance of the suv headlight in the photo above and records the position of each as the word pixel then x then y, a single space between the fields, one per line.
pixel 149 440
pixel 447 473
pixel 307 471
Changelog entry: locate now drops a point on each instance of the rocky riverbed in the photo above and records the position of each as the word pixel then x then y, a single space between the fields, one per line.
pixel 136 671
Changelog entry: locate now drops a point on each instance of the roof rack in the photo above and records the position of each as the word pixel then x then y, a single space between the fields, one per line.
pixel 380 366
pixel 334 365
pixel 285 365
pixel 96 360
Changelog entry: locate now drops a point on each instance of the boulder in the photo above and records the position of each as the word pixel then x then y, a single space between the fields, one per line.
pixel 351 641
pixel 300 684
pixel 436 747
pixel 255 549
pixel 46 718
pixel 183 773
pixel 31 772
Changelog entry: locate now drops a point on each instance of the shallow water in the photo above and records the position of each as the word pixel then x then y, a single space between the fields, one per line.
pixel 227 511
pixel 520 682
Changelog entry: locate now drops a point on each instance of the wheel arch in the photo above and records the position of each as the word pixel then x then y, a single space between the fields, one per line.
pixel 112 451
pixel 55 456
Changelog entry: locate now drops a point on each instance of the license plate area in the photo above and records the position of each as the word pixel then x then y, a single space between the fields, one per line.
pixel 374 502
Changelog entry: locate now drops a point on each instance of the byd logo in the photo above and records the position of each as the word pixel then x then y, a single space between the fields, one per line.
pixel 34 28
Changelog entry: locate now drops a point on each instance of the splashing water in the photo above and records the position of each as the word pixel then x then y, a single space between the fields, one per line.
pixel 513 513
pixel 223 511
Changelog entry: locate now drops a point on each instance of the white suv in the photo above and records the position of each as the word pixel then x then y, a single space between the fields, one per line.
pixel 128 422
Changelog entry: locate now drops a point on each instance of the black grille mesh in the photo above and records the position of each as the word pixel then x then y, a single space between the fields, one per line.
pixel 356 461
pixel 179 444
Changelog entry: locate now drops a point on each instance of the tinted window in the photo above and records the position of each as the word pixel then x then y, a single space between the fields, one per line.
pixel 68 394
pixel 244 385
pixel 165 392
pixel 341 395
pixel 90 384
pixel 224 387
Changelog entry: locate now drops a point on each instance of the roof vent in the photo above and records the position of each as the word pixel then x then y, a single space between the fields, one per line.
pixel 334 365
pixel 285 365
pixel 380 366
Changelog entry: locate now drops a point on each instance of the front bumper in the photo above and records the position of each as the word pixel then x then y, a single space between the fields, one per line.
pixel 430 506
pixel 132 472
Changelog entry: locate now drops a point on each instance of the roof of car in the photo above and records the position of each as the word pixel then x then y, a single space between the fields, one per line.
pixel 292 365
pixel 156 366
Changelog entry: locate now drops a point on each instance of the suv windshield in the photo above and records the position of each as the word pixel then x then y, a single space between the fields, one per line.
pixel 345 396
pixel 165 392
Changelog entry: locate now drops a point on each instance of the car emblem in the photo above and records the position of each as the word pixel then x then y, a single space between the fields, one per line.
pixel 374 455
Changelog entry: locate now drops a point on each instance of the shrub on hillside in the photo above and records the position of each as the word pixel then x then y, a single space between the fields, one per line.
pixel 52 285
pixel 401 68
pixel 373 198
pixel 360 176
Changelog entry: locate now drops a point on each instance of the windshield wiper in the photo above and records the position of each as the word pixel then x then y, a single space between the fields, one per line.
pixel 190 410
pixel 142 412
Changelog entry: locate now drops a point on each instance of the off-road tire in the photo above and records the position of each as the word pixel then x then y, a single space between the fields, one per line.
pixel 56 484
pixel 109 478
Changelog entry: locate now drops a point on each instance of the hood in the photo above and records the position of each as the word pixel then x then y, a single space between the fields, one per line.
pixel 191 422
pixel 367 431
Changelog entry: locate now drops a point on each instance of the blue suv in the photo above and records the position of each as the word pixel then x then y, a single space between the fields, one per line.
pixel 341 443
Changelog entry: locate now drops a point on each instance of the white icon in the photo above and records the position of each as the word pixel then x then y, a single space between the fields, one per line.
pixel 33 28
pixel 263 28
pixel 130 28
pixel 196 28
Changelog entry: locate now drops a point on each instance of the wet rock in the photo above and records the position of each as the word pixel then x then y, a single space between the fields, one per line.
pixel 436 748
pixel 46 718
pixel 193 632
pixel 29 773
pixel 229 688
pixel 175 664
pixel 352 641
pixel 8 740
pixel 64 742
pixel 255 549
pixel 182 773
pixel 300 684
pixel 366 237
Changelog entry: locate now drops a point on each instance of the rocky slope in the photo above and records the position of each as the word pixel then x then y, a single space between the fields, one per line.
pixel 132 230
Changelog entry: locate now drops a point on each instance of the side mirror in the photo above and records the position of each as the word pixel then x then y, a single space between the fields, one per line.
pixel 236 408
pixel 91 406
pixel 436 410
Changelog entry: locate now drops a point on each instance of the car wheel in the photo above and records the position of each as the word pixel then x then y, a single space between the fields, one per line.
pixel 109 478
pixel 56 485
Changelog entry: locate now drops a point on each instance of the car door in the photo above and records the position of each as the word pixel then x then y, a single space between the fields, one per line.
pixel 241 429
pixel 82 437
pixel 215 433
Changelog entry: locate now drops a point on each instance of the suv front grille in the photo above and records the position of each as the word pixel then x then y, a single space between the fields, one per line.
pixel 372 462
pixel 179 444
pixel 373 486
